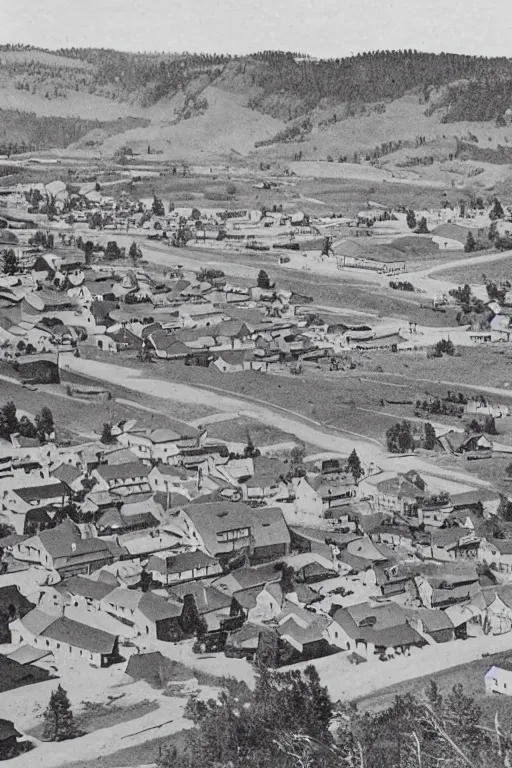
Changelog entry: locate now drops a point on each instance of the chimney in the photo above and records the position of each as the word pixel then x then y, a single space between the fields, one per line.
pixel 73 547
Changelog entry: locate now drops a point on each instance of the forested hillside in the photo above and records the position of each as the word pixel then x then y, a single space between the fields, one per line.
pixel 25 131
pixel 290 87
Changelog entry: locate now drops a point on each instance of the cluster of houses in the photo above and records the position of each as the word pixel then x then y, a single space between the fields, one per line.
pixel 169 535
pixel 63 305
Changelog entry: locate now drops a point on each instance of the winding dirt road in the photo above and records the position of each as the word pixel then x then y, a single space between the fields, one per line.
pixel 305 429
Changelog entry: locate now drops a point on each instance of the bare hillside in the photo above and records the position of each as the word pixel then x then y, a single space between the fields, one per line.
pixel 226 125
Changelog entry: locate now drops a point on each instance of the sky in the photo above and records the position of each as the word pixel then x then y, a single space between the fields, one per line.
pixel 329 28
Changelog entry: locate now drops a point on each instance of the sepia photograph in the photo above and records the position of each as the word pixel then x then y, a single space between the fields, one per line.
pixel 255 384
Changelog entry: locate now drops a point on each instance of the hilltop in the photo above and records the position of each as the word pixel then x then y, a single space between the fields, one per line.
pixel 402 108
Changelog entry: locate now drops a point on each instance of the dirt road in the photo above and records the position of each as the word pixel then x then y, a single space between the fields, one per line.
pixel 164 722
pixel 305 429
pixel 345 681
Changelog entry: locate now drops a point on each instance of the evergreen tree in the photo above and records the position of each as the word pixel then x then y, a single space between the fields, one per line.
pixel 134 253
pixel 496 210
pixel 44 424
pixel 191 622
pixel 106 435
pixel 263 280
pixel 59 723
pixel 10 262
pixel 490 425
pixel 411 219
pixel 470 245
pixel 429 442
pixel 113 252
pixel 8 420
pixel 88 252
pixel 26 428
pixel 157 206
pixel 267 652
pixel 422 228
pixel 399 438
pixel 354 465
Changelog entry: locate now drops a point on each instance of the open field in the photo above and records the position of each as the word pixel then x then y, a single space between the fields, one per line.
pixel 238 430
pixel 85 419
pixel 349 402
pixel 496 271
pixel 486 366
pixel 469 675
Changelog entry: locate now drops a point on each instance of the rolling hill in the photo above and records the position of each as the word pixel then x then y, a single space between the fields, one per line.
pixel 404 109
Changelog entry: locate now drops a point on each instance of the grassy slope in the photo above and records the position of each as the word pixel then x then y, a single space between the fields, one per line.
pixel 470 676
pixel 228 124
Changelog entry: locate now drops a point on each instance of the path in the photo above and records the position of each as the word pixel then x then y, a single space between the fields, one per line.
pixel 305 429
pixel 162 722
pixel 470 261
pixel 346 681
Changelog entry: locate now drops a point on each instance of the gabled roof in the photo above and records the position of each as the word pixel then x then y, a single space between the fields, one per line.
pixel 207 598
pixel 383 625
pixel 157 608
pixel 91 588
pixel 123 598
pixel 247 578
pixel 364 549
pixel 232 356
pixel 504 546
pixel 266 472
pixel 80 635
pixel 65 541
pixel 269 527
pixel 433 620
pixel 163 435
pixel 42 492
pixel 156 669
pixel 14 675
pixel 214 517
pixel 185 561
pixel 66 473
pixel 37 621
pixel 123 471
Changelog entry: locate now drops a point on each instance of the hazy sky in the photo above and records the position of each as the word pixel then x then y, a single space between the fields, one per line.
pixel 323 28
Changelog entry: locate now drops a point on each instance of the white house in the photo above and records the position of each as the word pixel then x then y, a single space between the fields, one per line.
pixel 498 679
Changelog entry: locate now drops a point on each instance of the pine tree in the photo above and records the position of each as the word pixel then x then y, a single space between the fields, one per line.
pixel 44 423
pixel 429 442
pixel 470 243
pixel 26 428
pixel 106 434
pixel 59 723
pixel 422 228
pixel 134 253
pixel 411 219
pixel 8 420
pixel 263 280
pixel 354 464
pixel 10 262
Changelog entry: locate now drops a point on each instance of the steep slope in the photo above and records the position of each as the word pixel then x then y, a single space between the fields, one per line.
pixel 401 108
pixel 226 125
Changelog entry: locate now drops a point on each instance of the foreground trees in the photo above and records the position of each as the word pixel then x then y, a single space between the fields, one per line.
pixel 289 721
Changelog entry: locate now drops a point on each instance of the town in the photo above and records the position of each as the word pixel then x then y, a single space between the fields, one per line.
pixel 189 533
pixel 255 447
